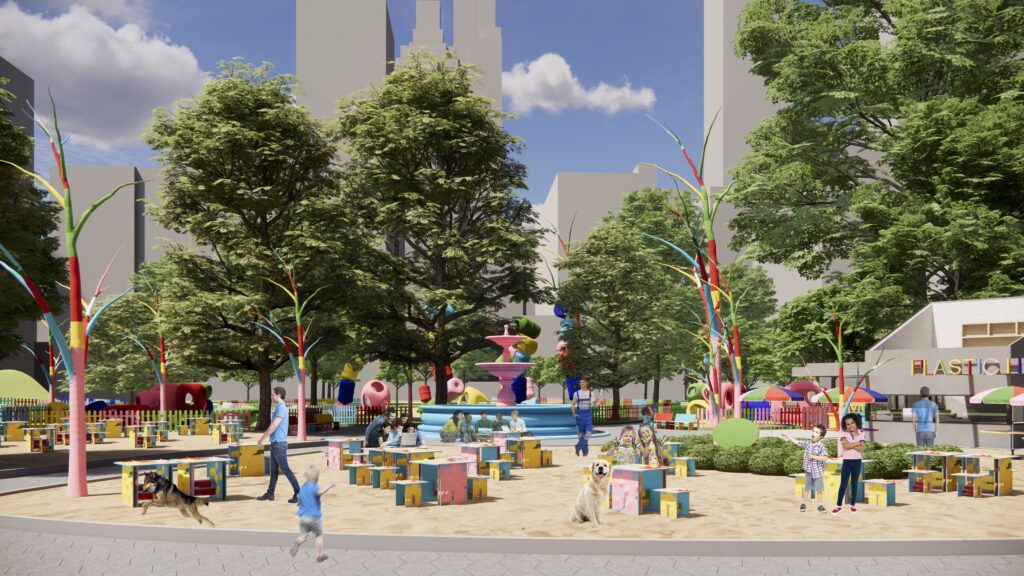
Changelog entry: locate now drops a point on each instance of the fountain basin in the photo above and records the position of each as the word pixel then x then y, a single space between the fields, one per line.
pixel 543 420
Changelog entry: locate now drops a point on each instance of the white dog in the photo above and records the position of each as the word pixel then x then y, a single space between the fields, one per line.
pixel 593 495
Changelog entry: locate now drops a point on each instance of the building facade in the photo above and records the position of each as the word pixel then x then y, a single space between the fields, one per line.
pixel 957 349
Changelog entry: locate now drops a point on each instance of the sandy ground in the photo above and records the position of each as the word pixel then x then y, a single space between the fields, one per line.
pixel 538 503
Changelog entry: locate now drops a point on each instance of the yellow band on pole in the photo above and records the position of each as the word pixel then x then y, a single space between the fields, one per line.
pixel 77 335
pixel 302 362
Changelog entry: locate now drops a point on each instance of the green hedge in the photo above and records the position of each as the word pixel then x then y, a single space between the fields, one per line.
pixel 777 457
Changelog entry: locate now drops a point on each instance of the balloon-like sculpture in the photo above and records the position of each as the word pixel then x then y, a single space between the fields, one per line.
pixel 376 394
pixel 523 351
pixel 347 385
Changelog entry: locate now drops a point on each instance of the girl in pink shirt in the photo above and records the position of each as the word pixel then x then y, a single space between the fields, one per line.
pixel 850 448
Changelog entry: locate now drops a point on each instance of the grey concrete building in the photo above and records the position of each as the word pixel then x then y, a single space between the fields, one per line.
pixel 340 47
pixel 478 41
pixel 957 349
pixel 427 35
pixel 22 87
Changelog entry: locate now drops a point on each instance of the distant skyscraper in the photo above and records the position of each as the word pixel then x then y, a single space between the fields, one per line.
pixel 477 41
pixel 427 35
pixel 340 47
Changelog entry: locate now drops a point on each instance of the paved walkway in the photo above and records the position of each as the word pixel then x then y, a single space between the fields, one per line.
pixel 32 553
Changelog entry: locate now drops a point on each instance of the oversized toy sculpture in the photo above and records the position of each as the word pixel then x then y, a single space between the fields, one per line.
pixel 565 332
pixel 347 385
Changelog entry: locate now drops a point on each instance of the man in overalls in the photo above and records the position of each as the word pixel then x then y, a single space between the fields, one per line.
pixel 581 403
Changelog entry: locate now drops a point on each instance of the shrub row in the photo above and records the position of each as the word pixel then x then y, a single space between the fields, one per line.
pixel 777 457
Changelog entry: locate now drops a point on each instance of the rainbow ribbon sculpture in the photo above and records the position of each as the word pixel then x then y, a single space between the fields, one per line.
pixel 297 366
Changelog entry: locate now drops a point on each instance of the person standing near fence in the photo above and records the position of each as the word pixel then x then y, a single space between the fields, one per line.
pixel 581 410
pixel 278 433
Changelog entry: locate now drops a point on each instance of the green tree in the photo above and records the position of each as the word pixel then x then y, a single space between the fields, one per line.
pixel 466 369
pixel 250 176
pixel 118 364
pixel 898 147
pixel 626 302
pixel 547 371
pixel 432 168
pixel 29 223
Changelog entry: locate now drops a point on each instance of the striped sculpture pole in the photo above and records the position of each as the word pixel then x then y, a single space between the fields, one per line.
pixel 73 352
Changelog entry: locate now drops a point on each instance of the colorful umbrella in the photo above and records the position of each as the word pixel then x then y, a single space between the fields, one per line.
pixel 771 394
pixel 861 396
pixel 1000 395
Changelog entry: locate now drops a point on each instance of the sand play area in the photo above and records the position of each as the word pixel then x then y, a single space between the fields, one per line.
pixel 538 502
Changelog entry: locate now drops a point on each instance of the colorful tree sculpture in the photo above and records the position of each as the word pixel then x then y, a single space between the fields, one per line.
pixel 73 352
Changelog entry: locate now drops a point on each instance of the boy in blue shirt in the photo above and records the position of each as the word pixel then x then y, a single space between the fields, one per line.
pixel 310 515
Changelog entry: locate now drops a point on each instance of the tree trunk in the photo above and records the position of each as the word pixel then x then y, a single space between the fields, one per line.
pixel 440 384
pixel 657 379
pixel 615 403
pixel 313 379
pixel 248 389
pixel 263 421
pixel 646 396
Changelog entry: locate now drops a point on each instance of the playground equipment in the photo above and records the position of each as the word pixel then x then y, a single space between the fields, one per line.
pixel 471 396
pixel 180 392
pixel 376 394
pixel 456 388
pixel 347 385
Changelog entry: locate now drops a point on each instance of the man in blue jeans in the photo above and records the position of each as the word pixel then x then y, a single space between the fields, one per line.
pixel 278 432
pixel 926 419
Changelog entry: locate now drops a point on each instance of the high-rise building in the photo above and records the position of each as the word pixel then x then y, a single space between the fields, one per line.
pixel 477 41
pixel 427 35
pixel 340 47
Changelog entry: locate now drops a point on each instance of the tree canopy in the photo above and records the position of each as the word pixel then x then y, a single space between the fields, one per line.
pixel 30 221
pixel 250 176
pixel 897 152
pixel 431 168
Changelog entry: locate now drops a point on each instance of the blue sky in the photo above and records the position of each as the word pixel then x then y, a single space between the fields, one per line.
pixel 653 44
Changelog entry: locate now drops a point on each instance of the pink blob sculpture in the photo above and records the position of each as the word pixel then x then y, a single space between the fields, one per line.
pixel 375 393
pixel 455 389
pixel 531 389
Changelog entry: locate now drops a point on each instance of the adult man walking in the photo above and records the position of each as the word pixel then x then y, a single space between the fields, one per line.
pixel 278 432
pixel 373 431
pixel 926 418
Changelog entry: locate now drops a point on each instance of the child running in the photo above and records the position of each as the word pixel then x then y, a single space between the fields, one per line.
pixel 310 515
pixel 815 456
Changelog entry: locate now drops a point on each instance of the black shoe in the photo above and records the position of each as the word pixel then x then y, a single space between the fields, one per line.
pixel 266 497
pixel 803 507
pixel 294 499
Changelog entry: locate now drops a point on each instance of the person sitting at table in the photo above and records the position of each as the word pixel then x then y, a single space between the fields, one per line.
pixel 394 436
pixel 483 425
pixel 517 424
pixel 467 432
pixel 420 442
pixel 385 436
pixel 450 430
pixel 500 424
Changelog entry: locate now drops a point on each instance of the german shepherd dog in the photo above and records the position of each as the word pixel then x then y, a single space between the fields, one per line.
pixel 166 494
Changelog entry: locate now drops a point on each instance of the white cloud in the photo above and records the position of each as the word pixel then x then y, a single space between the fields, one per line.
pixel 549 84
pixel 118 11
pixel 106 81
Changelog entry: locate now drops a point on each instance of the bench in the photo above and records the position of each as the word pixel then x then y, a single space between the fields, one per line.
pixel 685 420
pixel 663 420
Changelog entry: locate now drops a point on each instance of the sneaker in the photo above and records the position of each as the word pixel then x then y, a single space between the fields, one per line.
pixel 294 499
pixel 821 509
pixel 803 507
pixel 266 497
pixel 853 509
pixel 295 548
pixel 837 510
pixel 321 558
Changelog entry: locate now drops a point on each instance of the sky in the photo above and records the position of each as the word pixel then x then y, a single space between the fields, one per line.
pixel 581 75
